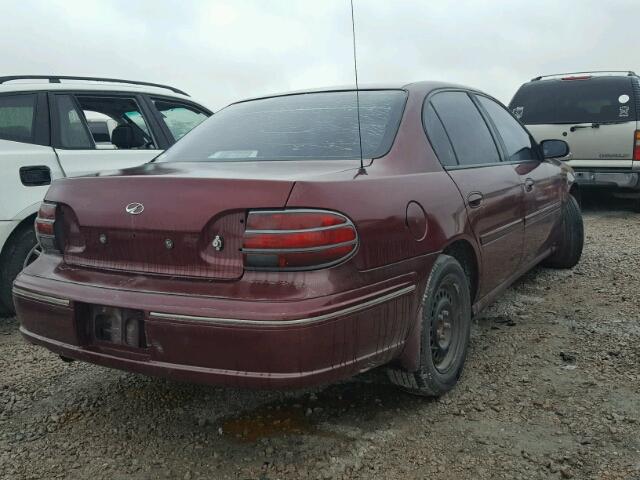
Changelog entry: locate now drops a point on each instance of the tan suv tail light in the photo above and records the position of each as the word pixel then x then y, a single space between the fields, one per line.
pixel 636 146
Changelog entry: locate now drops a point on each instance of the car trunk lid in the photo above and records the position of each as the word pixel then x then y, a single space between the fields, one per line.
pixel 184 220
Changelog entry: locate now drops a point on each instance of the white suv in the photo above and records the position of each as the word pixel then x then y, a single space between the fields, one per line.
pixel 597 114
pixel 51 129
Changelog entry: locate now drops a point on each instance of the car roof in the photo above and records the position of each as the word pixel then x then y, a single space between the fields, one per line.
pixel 593 75
pixel 421 87
pixel 22 86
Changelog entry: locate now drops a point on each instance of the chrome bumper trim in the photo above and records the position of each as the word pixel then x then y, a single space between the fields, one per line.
pixel 18 292
pixel 629 179
pixel 285 323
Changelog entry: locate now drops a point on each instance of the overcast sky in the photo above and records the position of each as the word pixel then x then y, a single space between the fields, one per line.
pixel 221 51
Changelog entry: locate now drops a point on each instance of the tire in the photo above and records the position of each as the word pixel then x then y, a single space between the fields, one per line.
pixel 442 357
pixel 12 260
pixel 569 249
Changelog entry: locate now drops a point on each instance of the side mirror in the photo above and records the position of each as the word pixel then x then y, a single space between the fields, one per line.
pixel 554 148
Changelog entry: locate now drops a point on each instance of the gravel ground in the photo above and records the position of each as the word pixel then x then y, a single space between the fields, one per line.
pixel 551 390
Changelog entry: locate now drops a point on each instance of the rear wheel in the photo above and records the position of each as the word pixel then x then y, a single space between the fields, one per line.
pixel 445 316
pixel 17 253
pixel 569 249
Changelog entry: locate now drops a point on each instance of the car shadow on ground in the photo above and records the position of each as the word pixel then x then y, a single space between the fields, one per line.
pixel 597 201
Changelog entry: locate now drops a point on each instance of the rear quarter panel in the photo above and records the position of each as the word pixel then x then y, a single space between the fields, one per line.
pixel 378 206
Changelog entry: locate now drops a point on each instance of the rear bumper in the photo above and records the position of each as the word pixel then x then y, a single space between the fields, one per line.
pixel 595 178
pixel 307 342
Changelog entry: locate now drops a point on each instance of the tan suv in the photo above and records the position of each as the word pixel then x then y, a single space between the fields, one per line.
pixel 596 113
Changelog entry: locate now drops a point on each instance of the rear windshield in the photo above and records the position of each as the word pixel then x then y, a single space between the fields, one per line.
pixel 313 126
pixel 575 101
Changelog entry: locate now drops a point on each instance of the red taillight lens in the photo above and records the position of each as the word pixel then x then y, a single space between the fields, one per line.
pixel 636 146
pixel 45 227
pixel 302 239
pixel 292 220
pixel 297 239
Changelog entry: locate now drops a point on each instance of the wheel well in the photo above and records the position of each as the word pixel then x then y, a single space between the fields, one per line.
pixel 464 253
pixel 27 221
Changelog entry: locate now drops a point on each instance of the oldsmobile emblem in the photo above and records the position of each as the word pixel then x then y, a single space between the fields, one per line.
pixel 134 208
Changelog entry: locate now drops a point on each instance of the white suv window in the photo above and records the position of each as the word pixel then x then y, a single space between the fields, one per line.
pixel 179 118
pixel 17 117
pixel 127 127
pixel 597 100
pixel 72 130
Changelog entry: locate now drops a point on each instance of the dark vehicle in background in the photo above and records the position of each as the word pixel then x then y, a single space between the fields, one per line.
pixel 597 114
pixel 275 247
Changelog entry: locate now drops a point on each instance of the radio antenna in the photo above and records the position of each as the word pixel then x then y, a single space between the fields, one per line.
pixel 355 69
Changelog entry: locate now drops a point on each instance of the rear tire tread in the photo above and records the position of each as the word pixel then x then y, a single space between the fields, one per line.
pixel 423 382
pixel 570 247
pixel 12 260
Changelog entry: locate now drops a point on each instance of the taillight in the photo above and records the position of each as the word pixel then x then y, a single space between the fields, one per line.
pixel 45 227
pixel 297 239
pixel 636 146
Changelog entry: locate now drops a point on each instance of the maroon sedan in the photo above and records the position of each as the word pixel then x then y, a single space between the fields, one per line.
pixel 259 251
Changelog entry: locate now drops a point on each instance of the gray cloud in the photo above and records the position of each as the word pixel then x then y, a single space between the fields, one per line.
pixel 222 51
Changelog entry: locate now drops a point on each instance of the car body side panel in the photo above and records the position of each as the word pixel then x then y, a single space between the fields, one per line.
pixel 390 241
pixel 543 204
pixel 498 223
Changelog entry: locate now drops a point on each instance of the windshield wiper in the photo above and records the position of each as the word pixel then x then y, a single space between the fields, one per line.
pixel 576 127
pixel 597 124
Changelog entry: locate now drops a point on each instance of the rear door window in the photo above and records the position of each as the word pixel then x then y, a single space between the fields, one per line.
pixel 72 130
pixel 438 137
pixel 517 142
pixel 126 125
pixel 180 118
pixel 469 134
pixel 594 100
pixel 17 117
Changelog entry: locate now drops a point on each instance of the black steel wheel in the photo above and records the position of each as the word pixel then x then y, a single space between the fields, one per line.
pixel 446 327
pixel 445 320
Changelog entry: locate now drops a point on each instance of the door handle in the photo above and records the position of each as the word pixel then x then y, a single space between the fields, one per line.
pixel 475 199
pixel 528 184
pixel 35 176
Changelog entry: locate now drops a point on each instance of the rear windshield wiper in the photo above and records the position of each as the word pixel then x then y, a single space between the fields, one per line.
pixel 597 124
pixel 576 127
